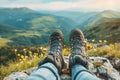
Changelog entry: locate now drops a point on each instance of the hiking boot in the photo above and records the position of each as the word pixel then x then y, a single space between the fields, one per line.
pixel 77 45
pixel 55 51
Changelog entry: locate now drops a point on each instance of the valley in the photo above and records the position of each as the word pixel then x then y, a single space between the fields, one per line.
pixel 24 26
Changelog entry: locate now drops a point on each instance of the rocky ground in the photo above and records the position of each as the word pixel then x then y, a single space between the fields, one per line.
pixel 100 66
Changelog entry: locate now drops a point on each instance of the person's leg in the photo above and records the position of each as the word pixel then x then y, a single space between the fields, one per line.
pixel 50 66
pixel 78 60
pixel 79 72
pixel 46 71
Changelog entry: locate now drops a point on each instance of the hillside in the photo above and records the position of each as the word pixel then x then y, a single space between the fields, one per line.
pixel 99 18
pixel 6 29
pixel 102 26
pixel 30 27
pixel 77 16
pixel 17 17
pixel 105 27
pixel 23 26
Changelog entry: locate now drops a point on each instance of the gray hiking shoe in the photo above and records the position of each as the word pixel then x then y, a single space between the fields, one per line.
pixel 77 45
pixel 55 51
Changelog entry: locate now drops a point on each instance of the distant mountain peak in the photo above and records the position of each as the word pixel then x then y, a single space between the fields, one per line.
pixel 110 14
pixel 106 11
pixel 21 9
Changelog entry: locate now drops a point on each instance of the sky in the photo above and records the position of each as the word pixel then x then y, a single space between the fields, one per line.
pixel 63 4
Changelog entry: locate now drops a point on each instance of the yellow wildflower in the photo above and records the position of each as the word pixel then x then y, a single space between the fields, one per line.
pixel 15 50
pixel 17 64
pixel 93 40
pixel 34 56
pixel 41 48
pixel 100 41
pixel 20 59
pixel 105 41
pixel 30 52
pixel 65 49
pixel 29 62
pixel 45 49
pixel 24 49
pixel 22 56
pixel 18 54
pixel 26 57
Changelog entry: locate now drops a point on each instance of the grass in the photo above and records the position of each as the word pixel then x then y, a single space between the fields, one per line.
pixel 27 58
pixel 20 63
pixel 23 61
pixel 112 50
pixel 28 33
pixel 4 41
pixel 43 22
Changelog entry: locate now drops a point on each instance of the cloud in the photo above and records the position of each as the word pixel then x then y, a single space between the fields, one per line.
pixel 64 4
pixel 48 1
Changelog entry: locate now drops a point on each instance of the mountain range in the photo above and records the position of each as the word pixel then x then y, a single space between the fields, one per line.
pixel 23 26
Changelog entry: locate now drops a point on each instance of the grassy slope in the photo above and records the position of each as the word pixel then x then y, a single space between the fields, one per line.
pixel 37 27
pixel 109 30
pixel 103 25
pixel 100 18
pixel 31 27
pixel 4 41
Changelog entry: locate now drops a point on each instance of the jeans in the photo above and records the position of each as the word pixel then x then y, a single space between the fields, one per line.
pixel 49 72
